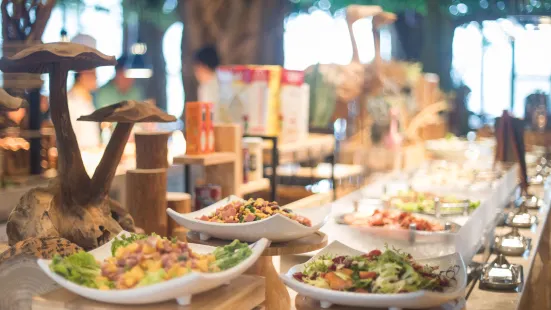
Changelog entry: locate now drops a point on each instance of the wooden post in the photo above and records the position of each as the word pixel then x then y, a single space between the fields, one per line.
pixel 146 199
pixel 179 202
pixel 151 150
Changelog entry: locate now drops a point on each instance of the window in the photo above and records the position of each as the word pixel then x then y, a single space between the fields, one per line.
pixel 173 56
pixel 488 73
pixel 108 33
pixel 319 37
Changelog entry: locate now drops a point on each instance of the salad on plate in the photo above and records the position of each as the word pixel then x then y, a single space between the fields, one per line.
pixel 413 201
pixel 391 219
pixel 377 272
pixel 141 260
pixel 239 211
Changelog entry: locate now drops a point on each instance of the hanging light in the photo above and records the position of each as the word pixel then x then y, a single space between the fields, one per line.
pixel 137 66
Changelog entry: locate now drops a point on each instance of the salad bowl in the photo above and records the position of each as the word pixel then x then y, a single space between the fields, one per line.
pixel 180 288
pixel 451 267
pixel 276 228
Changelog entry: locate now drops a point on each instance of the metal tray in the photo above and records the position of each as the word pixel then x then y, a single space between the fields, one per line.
pixel 501 275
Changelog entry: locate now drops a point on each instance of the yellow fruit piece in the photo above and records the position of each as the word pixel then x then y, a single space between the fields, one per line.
pixel 202 265
pixel 153 265
pixel 110 267
pixel 137 273
pixel 147 249
pixel 131 248
pixel 119 253
pixel 129 280
pixel 103 287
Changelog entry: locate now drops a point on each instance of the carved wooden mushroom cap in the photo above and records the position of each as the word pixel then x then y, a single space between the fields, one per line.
pixel 10 103
pixel 129 111
pixel 38 58
pixel 384 18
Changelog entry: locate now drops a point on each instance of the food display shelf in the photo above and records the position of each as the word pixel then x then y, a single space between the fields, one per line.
pixel 481 222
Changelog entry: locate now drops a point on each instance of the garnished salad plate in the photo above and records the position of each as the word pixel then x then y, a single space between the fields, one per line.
pixel 143 269
pixel 385 278
pixel 253 219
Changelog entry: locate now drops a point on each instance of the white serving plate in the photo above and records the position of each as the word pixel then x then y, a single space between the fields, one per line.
pixel 415 300
pixel 181 288
pixel 277 228
pixel 404 234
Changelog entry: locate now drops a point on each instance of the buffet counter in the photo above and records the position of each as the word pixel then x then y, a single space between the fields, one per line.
pixel 534 293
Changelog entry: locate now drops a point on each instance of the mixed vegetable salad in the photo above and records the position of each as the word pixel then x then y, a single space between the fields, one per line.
pixel 412 201
pixel 250 211
pixel 391 219
pixel 140 260
pixel 388 272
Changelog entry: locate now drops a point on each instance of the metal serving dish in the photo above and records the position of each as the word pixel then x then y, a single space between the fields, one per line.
pixel 512 244
pixel 530 201
pixel 501 275
pixel 441 208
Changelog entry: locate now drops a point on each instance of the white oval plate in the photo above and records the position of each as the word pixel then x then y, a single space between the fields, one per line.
pixel 277 228
pixel 415 300
pixel 404 234
pixel 180 288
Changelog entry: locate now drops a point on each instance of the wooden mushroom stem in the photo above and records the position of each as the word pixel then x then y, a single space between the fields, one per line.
pixel 74 180
pixel 105 171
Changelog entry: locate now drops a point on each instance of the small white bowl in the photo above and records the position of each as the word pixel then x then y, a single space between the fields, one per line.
pixel 415 300
pixel 181 288
pixel 276 228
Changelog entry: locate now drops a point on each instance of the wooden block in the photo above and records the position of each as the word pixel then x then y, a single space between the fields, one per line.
pixel 245 292
pixel 146 199
pixel 179 202
pixel 254 186
pixel 152 150
pixel 216 158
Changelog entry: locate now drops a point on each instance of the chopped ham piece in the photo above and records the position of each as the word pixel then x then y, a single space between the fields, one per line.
pixel 250 217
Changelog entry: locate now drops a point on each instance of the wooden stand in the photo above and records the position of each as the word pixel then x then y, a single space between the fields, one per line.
pixel 244 293
pixel 224 166
pixel 277 296
pixel 307 303
pixel 181 203
pixel 151 150
pixel 146 199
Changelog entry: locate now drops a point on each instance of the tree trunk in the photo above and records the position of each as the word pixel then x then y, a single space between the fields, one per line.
pixel 243 32
pixel 156 88
pixel 437 52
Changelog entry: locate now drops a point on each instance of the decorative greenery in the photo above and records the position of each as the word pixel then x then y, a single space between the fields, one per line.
pixel 161 13
pixel 459 10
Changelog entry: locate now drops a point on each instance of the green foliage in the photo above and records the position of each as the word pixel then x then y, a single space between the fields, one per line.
pixel 457 9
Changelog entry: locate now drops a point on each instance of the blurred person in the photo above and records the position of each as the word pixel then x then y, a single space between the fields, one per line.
pixel 81 102
pixel 205 62
pixel 118 89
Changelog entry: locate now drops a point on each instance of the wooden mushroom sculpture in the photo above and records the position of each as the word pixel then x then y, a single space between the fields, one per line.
pixel 74 206
pixel 10 103
pixel 125 114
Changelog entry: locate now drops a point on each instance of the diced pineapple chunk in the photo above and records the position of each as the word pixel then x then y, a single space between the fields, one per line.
pixel 147 249
pixel 132 247
pixel 120 253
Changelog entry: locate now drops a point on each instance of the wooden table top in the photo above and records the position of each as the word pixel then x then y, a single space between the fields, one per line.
pixel 307 244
